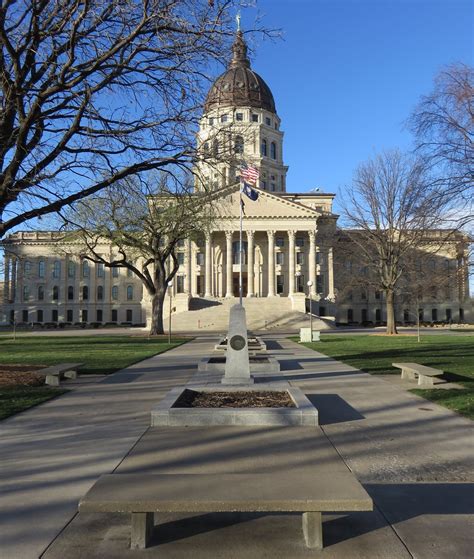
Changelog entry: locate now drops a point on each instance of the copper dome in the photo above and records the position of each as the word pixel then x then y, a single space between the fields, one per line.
pixel 239 85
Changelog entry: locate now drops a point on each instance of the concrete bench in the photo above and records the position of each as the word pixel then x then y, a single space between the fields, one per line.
pixel 55 373
pixel 426 375
pixel 144 494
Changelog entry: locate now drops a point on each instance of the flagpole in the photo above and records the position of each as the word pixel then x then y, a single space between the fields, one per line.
pixel 240 252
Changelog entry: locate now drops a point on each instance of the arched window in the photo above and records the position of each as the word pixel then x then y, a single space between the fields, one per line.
pixel 100 293
pixel 215 148
pixel 239 144
pixel 71 269
pixel 115 292
pixel 40 293
pixel 263 147
pixel 27 268
pixel 236 252
pixel 129 292
pixel 273 150
pixel 41 268
pixel 26 293
pixel 85 269
pixel 55 293
pixel 70 293
pixel 56 269
pixel 85 293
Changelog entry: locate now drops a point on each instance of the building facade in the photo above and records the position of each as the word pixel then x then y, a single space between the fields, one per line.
pixel 289 239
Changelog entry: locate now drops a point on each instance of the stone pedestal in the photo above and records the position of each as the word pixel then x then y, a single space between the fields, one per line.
pixel 237 367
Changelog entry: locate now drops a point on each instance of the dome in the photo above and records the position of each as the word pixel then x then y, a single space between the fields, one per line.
pixel 239 85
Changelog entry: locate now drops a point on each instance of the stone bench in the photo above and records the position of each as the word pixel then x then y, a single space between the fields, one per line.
pixel 144 494
pixel 55 373
pixel 426 375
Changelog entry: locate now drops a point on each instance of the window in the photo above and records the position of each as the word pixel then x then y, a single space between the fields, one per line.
pixel 215 148
pixel 70 293
pixel 206 147
pixel 180 284
pixel 41 269
pixel 276 125
pixel 319 284
pixel 27 268
pixel 268 121
pixel 280 258
pixel 129 273
pixel 300 284
pixel 236 252
pixel 55 293
pixel 263 147
pixel 239 116
pixel 378 315
pixel 211 121
pixel 24 315
pixel 115 293
pixel 129 292
pixel 100 270
pixel 449 315
pixel 299 241
pixel 223 118
pixel 461 315
pixel 115 272
pixel 85 293
pixel 71 269
pixel 114 315
pixel 364 317
pixel 99 315
pixel 299 258
pixel 280 284
pixel 41 293
pixel 254 118
pixel 180 256
pixel 279 242
pixel 406 316
pixel 180 243
pixel 85 269
pixel 100 292
pixel 318 258
pixel 350 315
pixel 272 187
pixel 56 269
pixel 421 314
pixel 239 144
pixel 200 259
pixel 377 294
pixel 273 150
pixel 129 315
pixel 434 315
pixel 263 184
pixel 84 315
pixel 39 315
pixel 54 315
pixel 69 315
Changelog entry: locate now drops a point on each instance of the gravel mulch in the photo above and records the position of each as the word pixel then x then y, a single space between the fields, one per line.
pixel 21 375
pixel 264 399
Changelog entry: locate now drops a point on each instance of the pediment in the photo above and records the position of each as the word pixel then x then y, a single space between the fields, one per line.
pixel 268 205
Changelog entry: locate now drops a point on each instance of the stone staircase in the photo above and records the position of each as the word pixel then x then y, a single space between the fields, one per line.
pixel 265 314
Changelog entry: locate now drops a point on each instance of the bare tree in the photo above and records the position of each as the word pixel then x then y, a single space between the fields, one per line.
pixel 93 92
pixel 390 207
pixel 143 221
pixel 443 124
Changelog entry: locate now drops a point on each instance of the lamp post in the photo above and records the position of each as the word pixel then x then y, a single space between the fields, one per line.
pixel 170 285
pixel 310 284
pixel 298 275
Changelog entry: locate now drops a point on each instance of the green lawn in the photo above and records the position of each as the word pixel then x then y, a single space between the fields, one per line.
pixel 100 354
pixel 375 354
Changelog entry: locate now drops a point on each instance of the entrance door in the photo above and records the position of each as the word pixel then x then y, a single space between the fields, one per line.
pixel 235 279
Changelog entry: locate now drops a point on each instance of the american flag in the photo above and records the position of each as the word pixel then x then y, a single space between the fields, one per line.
pixel 249 174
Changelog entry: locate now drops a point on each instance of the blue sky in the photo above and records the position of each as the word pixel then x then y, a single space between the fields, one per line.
pixel 348 72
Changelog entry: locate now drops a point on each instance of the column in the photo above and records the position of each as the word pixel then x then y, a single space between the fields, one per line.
pixel 312 261
pixel 291 263
pixel 250 264
pixel 228 264
pixel 331 295
pixel 271 263
pixel 187 267
pixel 208 277
pixel 6 286
pixel 193 279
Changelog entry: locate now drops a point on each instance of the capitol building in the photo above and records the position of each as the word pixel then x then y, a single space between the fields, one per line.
pixel 292 245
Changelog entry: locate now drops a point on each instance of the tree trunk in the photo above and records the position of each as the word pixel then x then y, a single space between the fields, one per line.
pixel 157 303
pixel 390 298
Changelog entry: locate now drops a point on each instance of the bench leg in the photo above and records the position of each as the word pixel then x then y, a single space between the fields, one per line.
pixel 142 527
pixel 52 380
pixel 313 529
pixel 71 374
pixel 408 375
pixel 425 381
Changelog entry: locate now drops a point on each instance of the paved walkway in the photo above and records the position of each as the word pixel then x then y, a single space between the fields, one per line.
pixel 414 458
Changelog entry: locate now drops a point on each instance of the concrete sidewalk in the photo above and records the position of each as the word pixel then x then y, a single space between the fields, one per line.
pixel 50 455
pixel 413 457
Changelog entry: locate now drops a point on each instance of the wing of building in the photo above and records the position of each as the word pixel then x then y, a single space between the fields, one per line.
pixel 290 239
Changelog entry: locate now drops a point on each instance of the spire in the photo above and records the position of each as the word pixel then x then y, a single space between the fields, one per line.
pixel 239 52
